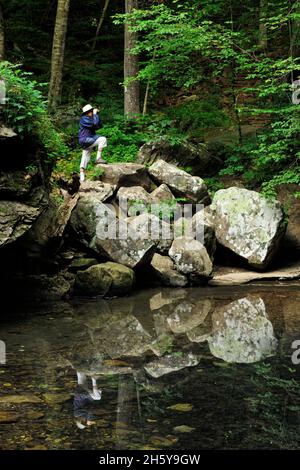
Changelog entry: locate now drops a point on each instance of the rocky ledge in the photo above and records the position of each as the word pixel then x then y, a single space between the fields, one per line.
pixel 139 225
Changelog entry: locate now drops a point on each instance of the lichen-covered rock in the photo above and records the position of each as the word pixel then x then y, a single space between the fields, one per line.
pixel 15 220
pixel 126 174
pixel 191 258
pixel 166 272
pixel 104 191
pixel 149 227
pixel 202 227
pixel 96 225
pixel 105 279
pixel 133 200
pixel 162 194
pixel 242 332
pixel 204 159
pixel 181 183
pixel 248 224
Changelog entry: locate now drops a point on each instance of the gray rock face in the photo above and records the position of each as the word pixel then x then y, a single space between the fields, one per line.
pixel 126 174
pixel 133 200
pixel 202 227
pixel 15 220
pixel 242 332
pixel 164 269
pixel 105 279
pixel 191 258
pixel 248 224
pixel 96 226
pixel 170 363
pixel 149 227
pixel 181 183
pixel 16 184
pixel 104 191
pixel 162 194
pixel 203 160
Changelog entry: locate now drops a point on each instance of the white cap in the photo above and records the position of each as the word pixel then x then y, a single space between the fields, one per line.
pixel 87 108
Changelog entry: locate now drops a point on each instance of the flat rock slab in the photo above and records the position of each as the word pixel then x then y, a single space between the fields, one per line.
pixel 243 276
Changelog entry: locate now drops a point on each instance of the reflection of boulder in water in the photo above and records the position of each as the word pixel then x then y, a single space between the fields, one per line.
pixel 189 315
pixel 241 332
pixel 202 332
pixel 123 336
pixel 171 363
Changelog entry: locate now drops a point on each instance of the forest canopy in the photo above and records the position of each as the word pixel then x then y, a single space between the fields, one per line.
pixel 218 72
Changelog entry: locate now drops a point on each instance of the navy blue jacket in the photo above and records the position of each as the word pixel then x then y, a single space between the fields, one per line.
pixel 87 129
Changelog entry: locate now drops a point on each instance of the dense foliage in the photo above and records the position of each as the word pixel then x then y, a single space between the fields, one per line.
pixel 215 70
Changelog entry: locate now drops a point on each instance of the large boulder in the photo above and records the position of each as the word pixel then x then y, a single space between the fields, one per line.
pixel 162 194
pixel 150 227
pixel 191 258
pixel 104 191
pixel 242 332
pixel 165 271
pixel 202 226
pixel 181 183
pixel 248 224
pixel 15 220
pixel 203 159
pixel 105 279
pixel 126 174
pixel 133 200
pixel 97 227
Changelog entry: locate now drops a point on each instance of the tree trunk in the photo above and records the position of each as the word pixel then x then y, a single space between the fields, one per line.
pixel 131 67
pixel 58 52
pixel 263 33
pixel 296 32
pixel 100 23
pixel 2 35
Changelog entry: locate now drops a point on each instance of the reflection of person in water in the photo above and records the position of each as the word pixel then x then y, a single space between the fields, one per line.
pixel 83 398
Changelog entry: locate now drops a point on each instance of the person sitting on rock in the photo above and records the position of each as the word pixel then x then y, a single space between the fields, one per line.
pixel 88 139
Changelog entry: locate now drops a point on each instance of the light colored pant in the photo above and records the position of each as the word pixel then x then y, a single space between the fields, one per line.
pixel 101 142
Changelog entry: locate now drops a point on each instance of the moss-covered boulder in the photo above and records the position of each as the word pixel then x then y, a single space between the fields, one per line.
pixel 105 279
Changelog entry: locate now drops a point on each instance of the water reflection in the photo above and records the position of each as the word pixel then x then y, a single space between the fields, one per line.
pixel 242 332
pixel 110 373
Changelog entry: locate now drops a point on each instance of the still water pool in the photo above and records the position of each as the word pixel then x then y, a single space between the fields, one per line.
pixel 199 368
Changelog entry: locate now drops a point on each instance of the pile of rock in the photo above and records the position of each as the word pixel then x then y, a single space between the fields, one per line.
pixel 143 226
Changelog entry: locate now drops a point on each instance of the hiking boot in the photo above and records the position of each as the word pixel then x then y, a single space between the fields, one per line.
pixel 101 161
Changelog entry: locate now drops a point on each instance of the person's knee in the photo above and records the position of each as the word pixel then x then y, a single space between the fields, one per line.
pixel 102 143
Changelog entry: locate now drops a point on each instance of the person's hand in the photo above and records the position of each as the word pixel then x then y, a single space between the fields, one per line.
pixel 95 111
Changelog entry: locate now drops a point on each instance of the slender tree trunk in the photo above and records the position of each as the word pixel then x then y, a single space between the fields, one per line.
pixel 2 35
pixel 263 32
pixel 296 32
pixel 131 67
pixel 100 23
pixel 58 52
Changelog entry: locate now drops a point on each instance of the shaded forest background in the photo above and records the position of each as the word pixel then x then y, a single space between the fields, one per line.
pixel 215 73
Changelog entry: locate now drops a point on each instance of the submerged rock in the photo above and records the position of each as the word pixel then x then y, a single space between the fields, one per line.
pixel 242 332
pixel 105 279
pixel 182 183
pixel 166 272
pixel 248 224
pixel 191 259
pixel 170 363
